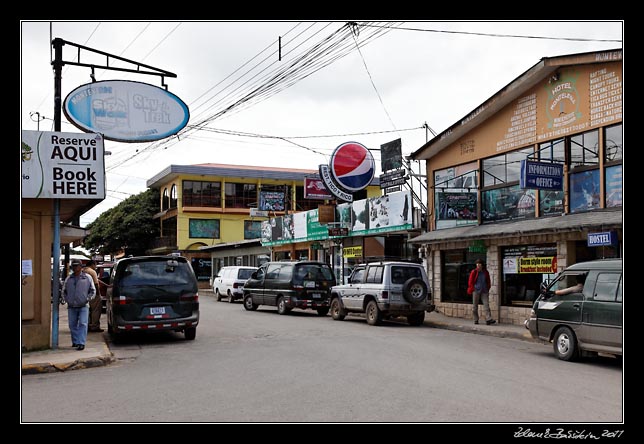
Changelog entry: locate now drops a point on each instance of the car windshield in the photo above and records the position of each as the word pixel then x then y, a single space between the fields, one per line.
pixel 155 273
pixel 244 273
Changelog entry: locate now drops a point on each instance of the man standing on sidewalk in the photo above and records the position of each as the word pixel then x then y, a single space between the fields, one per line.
pixel 78 290
pixel 95 305
pixel 478 286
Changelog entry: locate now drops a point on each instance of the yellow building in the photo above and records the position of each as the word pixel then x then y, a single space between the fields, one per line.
pixel 214 212
pixel 559 125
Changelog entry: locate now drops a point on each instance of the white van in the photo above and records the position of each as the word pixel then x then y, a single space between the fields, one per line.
pixel 230 281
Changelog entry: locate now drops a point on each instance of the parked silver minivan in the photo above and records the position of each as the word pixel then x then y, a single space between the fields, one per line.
pixel 581 310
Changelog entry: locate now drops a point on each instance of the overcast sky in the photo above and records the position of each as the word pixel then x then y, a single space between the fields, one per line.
pixel 403 75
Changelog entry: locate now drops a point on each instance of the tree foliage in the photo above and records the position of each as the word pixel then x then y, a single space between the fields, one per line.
pixel 128 226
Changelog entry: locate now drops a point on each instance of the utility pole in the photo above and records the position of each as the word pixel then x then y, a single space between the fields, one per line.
pixel 58 68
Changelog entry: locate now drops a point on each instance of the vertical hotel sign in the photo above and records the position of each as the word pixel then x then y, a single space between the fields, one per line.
pixel 59 165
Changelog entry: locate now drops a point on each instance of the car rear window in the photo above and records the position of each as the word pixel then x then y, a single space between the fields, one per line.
pixel 312 272
pixel 400 275
pixel 244 273
pixel 156 273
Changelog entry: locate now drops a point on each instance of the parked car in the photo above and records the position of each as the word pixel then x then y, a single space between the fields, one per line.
pixel 288 285
pixel 584 322
pixel 104 273
pixel 383 290
pixel 230 281
pixel 153 293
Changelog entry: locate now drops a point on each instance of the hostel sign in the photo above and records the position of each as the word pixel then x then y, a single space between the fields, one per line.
pixel 59 165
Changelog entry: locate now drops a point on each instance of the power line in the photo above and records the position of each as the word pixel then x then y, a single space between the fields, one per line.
pixel 484 34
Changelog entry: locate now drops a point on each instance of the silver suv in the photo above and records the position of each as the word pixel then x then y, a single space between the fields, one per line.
pixel 384 290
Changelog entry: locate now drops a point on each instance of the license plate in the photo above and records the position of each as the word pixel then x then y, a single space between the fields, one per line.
pixel 317 295
pixel 157 310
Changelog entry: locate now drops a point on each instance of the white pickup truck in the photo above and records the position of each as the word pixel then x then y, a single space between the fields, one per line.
pixel 384 290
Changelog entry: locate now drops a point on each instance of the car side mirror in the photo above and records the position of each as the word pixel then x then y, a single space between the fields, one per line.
pixel 254 275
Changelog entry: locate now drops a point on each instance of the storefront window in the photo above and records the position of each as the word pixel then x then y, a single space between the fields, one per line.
pixel 613 157
pixel 524 269
pixel 613 143
pixel 456 268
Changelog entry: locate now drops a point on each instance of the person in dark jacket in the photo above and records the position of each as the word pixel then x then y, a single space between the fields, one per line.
pixel 478 286
pixel 78 290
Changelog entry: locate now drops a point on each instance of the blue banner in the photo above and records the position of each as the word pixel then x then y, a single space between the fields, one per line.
pixel 541 175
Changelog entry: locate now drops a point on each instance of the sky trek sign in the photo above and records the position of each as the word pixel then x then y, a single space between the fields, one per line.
pixel 126 111
pixel 350 169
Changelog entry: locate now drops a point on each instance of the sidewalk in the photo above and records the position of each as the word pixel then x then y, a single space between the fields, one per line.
pixel 97 352
pixel 64 358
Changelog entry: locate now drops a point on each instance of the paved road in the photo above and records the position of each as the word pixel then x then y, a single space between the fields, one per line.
pixel 262 367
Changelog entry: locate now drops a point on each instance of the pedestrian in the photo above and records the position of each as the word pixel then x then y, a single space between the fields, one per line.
pixel 95 305
pixel 78 290
pixel 478 286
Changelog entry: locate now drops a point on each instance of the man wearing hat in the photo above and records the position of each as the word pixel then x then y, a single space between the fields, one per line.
pixel 78 290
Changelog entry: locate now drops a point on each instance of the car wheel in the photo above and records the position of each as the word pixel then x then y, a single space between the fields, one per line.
pixel 191 333
pixel 281 306
pixel 565 344
pixel 248 303
pixel 374 316
pixel 414 290
pixel 323 311
pixel 231 299
pixel 337 313
pixel 217 294
pixel 416 319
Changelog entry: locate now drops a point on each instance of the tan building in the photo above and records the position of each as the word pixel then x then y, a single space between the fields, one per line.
pixel 564 117
pixel 37 226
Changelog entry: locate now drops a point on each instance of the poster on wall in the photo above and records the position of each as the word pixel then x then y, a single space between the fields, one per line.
pixel 551 202
pixel 455 209
pixel 382 214
pixel 252 229
pixel 584 191
pixel 204 228
pixel 271 201
pixel 614 186
pixel 508 203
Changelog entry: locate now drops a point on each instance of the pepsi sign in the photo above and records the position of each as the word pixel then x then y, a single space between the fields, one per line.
pixel 350 169
pixel 352 166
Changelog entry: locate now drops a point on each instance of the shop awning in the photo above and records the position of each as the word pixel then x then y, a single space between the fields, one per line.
pixel 593 220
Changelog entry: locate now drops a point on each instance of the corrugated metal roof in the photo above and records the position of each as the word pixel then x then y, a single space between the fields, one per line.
pixel 599 219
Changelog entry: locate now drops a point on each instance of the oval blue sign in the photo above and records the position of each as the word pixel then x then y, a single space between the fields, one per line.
pixel 126 111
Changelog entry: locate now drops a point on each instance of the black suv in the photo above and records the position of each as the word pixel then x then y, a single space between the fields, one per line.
pixel 289 285
pixel 153 293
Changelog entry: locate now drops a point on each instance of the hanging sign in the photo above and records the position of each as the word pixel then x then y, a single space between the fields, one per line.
pixel 126 111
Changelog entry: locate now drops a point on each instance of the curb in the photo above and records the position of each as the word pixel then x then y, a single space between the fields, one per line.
pixel 78 364
pixel 486 332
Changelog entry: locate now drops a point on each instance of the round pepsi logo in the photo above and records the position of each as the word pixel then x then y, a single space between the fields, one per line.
pixel 352 166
